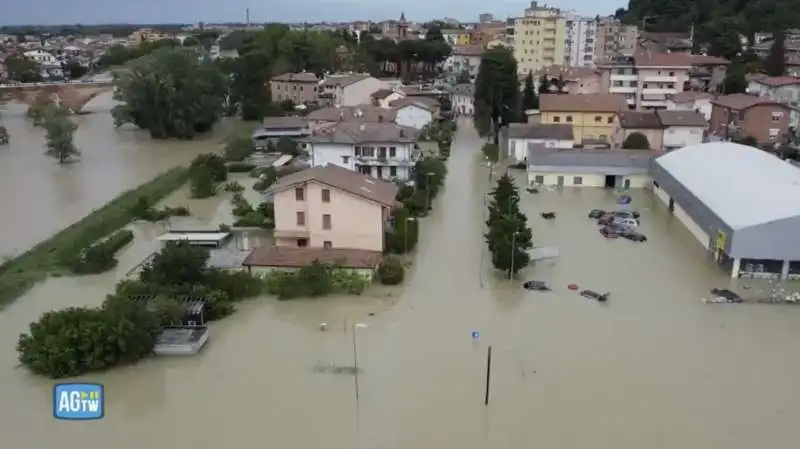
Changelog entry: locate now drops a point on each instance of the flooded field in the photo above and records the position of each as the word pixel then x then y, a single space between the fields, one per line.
pixel 654 368
pixel 40 197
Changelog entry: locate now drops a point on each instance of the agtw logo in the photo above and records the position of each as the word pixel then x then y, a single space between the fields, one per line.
pixel 78 402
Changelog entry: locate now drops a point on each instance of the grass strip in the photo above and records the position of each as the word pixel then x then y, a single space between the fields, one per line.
pixel 19 274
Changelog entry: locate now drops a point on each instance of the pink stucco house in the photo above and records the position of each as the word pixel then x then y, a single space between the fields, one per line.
pixel 331 207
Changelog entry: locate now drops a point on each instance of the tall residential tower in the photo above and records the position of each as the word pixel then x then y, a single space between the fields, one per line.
pixel 539 38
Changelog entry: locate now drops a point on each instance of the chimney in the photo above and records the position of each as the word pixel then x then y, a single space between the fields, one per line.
pixel 402 133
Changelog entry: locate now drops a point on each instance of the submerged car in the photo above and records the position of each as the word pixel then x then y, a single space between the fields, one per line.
pixel 613 231
pixel 609 216
pixel 723 296
pixel 632 235
pixel 621 221
pixel 597 213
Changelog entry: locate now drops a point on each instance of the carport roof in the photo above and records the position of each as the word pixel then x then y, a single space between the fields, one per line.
pixel 742 185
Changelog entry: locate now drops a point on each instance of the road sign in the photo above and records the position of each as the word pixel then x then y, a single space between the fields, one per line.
pixel 476 335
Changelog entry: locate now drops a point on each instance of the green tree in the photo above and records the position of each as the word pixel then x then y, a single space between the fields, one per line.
pixel 404 236
pixel 775 63
pixel 735 81
pixel 529 98
pixel 391 271
pixel 287 145
pixel 22 69
pixel 491 152
pixel 60 132
pixel 238 145
pixel 545 86
pixel 176 264
pixel 173 92
pixel 74 69
pixel 508 236
pixel 428 175
pixel 496 92
pixel 636 141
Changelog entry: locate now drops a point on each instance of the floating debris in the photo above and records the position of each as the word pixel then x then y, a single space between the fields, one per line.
pixel 329 368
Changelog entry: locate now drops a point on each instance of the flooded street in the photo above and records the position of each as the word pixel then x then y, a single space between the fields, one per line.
pixel 40 197
pixel 653 368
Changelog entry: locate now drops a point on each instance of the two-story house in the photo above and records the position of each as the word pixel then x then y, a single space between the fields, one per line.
pixel 591 116
pixel 783 89
pixel 384 97
pixel 692 101
pixel 741 115
pixel 516 138
pixel 351 90
pixel 299 88
pixel 415 112
pixel 462 99
pixel 382 150
pixel 330 207
pixel 642 122
pixel 465 59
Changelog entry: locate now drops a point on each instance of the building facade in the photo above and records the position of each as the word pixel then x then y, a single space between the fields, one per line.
pixel 299 88
pixel 382 150
pixel 741 115
pixel 580 40
pixel 592 116
pixel 646 79
pixel 539 38
pixel 613 38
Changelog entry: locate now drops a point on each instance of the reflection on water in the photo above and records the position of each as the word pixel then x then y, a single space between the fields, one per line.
pixel 652 368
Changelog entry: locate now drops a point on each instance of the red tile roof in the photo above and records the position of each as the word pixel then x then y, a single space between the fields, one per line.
pixel 358 184
pixel 740 102
pixel 778 81
pixel 646 58
pixel 582 103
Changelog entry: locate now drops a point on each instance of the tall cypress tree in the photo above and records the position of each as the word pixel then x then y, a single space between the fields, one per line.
pixel 529 98
pixel 496 91
pixel 775 64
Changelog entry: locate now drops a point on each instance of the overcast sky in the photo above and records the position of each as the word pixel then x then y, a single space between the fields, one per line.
pixel 49 12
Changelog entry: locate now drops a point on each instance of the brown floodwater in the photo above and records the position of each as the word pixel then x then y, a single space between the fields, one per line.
pixel 652 368
pixel 40 197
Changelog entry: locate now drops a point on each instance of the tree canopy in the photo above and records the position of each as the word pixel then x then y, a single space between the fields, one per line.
pixel 22 69
pixel 496 90
pixel 508 236
pixel 173 92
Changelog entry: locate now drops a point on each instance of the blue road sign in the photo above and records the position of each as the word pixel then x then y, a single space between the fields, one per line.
pixel 476 335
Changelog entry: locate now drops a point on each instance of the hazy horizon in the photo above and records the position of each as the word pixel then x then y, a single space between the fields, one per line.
pixel 94 12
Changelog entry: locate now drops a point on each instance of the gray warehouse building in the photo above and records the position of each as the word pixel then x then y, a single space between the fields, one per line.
pixel 741 203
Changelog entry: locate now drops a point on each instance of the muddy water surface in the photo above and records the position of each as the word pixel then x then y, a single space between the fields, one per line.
pixel 653 368
pixel 40 197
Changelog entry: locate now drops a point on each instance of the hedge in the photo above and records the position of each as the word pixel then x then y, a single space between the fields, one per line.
pixel 99 257
pixel 19 274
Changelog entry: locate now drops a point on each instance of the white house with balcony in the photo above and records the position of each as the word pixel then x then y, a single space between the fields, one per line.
pixel 579 41
pixel 782 89
pixel 382 150
pixel 462 99
pixel 413 113
pixel 647 79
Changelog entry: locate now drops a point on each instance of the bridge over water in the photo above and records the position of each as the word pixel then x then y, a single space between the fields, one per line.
pixel 74 95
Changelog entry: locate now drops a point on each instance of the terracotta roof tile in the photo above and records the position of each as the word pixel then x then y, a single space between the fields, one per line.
pixel 289 122
pixel 358 184
pixel 302 77
pixel 681 118
pixel 568 73
pixel 639 120
pixel 558 131
pixel 291 257
pixel 690 95
pixel 778 81
pixel 367 113
pixel 739 102
pixel 646 58
pixel 709 60
pixel 381 93
pixel 468 50
pixel 358 131
pixel 582 102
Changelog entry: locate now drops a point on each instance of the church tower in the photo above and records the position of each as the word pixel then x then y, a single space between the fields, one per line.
pixel 402 26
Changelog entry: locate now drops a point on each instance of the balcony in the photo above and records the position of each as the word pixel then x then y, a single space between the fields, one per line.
pixel 624 78
pixel 660 79
pixel 622 90
pixel 650 91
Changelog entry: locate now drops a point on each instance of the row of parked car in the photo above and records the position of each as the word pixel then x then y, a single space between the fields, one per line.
pixel 619 223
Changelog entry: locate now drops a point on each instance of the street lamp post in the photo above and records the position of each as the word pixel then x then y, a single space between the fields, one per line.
pixel 428 191
pixel 356 326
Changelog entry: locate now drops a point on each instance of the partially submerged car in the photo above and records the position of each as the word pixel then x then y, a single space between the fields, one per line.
pixel 723 296
pixel 594 295
pixel 633 235
pixel 596 214
pixel 613 231
pixel 538 286
pixel 621 221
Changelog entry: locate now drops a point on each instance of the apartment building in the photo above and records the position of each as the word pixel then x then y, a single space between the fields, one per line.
pixel 539 38
pixel 580 39
pixel 646 80
pixel 614 39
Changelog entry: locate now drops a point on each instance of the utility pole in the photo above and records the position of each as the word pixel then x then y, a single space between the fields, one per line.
pixel 513 253
pixel 488 375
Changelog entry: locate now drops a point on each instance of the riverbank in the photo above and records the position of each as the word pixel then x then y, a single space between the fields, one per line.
pixel 20 273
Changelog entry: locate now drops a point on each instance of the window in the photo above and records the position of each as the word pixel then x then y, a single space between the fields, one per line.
pixel 326 195
pixel 538 179
pixel 777 116
pixel 598 119
pixel 302 243
pixel 392 171
pixel 577 180
pixel 556 119
pixel 327 244
pixel 358 151
pixel 299 194
pixel 345 159
pixel 611 120
pixel 392 151
pixel 671 73
pixel 301 219
pixel 569 119
pixel 326 221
